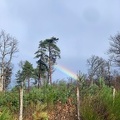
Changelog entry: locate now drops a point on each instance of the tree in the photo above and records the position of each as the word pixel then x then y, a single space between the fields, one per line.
pixel 40 72
pixel 48 52
pixel 42 67
pixel 8 47
pixel 19 77
pixel 98 67
pixel 7 78
pixel 20 85
pixel 114 49
pixel 25 73
pixel 21 102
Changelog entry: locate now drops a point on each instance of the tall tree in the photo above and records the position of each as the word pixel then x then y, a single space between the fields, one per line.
pixel 40 72
pixel 8 47
pixel 25 73
pixel 48 52
pixel 19 75
pixel 114 49
pixel 42 67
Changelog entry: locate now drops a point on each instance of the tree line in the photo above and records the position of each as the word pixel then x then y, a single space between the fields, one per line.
pixel 46 57
pixel 47 54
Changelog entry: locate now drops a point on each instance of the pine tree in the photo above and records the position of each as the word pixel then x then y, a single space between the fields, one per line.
pixel 25 74
pixel 48 52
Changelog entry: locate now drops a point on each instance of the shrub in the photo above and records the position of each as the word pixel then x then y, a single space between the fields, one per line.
pixel 5 115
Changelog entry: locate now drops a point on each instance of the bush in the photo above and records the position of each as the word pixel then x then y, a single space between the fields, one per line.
pixel 101 106
pixel 5 115
pixel 10 100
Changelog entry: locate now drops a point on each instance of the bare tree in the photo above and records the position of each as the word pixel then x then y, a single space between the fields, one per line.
pixel 8 47
pixel 114 50
pixel 97 67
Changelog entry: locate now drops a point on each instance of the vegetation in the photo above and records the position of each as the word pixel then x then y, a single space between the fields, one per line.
pixel 47 53
pixel 95 96
pixel 47 102
pixel 8 47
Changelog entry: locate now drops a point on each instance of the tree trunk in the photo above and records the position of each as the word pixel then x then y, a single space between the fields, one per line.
pixel 28 84
pixel 21 103
pixel 1 81
pixel 109 82
pixel 114 92
pixel 38 83
pixel 39 78
pixel 1 84
pixel 50 71
pixel 78 102
pixel 50 74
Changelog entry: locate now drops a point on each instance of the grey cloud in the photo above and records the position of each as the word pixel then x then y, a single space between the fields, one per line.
pixel 82 26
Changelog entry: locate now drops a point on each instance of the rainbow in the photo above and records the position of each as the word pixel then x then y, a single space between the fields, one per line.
pixel 66 71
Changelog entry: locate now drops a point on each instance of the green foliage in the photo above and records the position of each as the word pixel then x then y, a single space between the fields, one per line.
pixel 88 113
pixel 47 53
pixel 58 92
pixel 101 82
pixel 25 74
pixel 114 107
pixel 65 91
pixel 10 100
pixel 48 45
pixel 35 95
pixel 19 77
pixel 101 105
pixel 97 102
pixel 40 112
pixel 40 72
pixel 27 70
pixel 5 115
pixel 50 94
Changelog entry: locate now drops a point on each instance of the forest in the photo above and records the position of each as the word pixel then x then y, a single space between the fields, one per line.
pixel 91 96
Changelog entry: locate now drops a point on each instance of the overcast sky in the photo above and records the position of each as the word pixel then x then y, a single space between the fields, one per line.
pixel 82 26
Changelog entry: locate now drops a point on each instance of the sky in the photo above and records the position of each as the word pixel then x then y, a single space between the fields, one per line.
pixel 83 27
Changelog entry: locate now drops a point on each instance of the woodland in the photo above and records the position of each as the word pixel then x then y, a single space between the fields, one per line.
pixel 91 96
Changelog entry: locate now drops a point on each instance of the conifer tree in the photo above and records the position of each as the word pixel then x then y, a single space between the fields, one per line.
pixel 48 52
